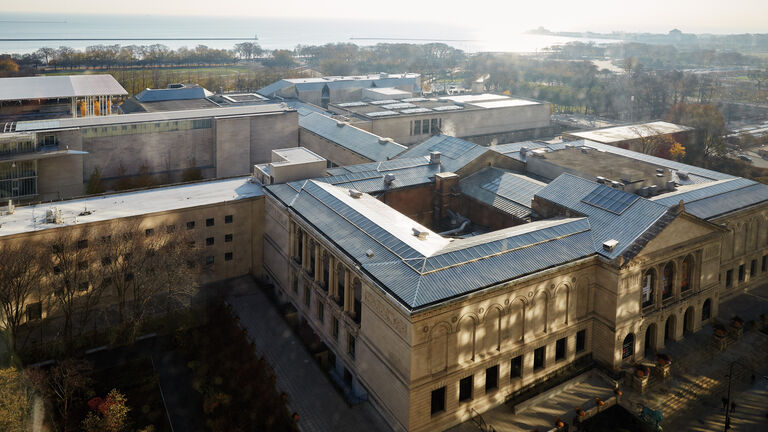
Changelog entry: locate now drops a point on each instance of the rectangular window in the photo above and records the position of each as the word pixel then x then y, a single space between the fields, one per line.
pixel 56 270
pixel 417 127
pixel 581 340
pixel 438 401
pixel 191 225
pixel 128 277
pixel 425 126
pixel 491 378
pixel 82 244
pixel 34 311
pixel 538 358
pixel 320 311
pixel 209 260
pixel 209 241
pixel 227 238
pixel 209 222
pixel 741 273
pixel 433 126
pixel 465 388
pixel 228 256
pixel 149 231
pixel 335 327
pixel 228 219
pixel 728 278
pixel 351 345
pixel 105 261
pixel 765 263
pixel 753 268
pixel 307 296
pixel 516 367
pixel 560 348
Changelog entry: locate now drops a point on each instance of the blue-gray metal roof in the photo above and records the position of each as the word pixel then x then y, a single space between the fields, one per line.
pixel 711 200
pixel 459 268
pixel 169 94
pixel 455 153
pixel 369 177
pixel 316 84
pixel 629 226
pixel 508 192
pixel 365 144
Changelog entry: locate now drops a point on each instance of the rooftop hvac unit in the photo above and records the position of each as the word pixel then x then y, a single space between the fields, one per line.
pixel 670 185
pixel 53 215
pixel 682 174
pixel 434 157
pixel 610 245
pixel 600 179
pixel 643 192
pixel 653 190
pixel 389 178
pixel 355 193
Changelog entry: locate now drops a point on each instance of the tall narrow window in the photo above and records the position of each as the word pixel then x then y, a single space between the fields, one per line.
pixel 667 280
pixel 687 269
pixel 465 388
pixel 729 278
pixel 538 357
pixel 628 347
pixel 516 367
pixel 560 349
pixel 741 273
pixel 581 340
pixel 649 281
pixel 438 401
pixel 491 378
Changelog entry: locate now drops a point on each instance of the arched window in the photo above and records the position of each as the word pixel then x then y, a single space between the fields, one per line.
pixel 706 310
pixel 649 283
pixel 628 347
pixel 686 272
pixel 666 281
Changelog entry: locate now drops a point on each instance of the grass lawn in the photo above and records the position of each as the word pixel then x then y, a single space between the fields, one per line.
pixel 137 381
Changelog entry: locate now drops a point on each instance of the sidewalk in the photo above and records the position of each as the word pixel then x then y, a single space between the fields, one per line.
pixel 310 394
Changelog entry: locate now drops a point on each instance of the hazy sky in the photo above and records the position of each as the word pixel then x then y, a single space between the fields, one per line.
pixel 698 16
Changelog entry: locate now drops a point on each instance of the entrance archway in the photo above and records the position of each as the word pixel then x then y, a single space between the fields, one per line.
pixel 688 320
pixel 669 328
pixel 650 340
pixel 706 310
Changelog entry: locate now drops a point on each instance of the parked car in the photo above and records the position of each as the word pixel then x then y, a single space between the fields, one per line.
pixel 745 158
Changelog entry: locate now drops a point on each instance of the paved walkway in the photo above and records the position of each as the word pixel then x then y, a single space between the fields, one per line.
pixel 541 415
pixel 310 394
pixel 691 398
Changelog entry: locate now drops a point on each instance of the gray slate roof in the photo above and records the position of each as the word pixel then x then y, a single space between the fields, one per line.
pixel 169 94
pixel 369 178
pixel 455 153
pixel 613 214
pixel 63 86
pixel 710 200
pixel 363 143
pixel 461 266
pixel 316 84
pixel 508 192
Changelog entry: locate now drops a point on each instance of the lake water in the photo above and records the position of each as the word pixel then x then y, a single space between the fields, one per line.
pixel 271 33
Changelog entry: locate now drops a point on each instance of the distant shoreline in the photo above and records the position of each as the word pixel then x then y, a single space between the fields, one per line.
pixel 120 39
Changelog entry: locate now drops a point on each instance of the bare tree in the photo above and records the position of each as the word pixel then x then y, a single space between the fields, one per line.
pixel 19 278
pixel 63 385
pixel 76 281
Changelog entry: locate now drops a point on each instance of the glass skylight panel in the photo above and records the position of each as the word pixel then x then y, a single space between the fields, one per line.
pixel 385 102
pixel 381 113
pixel 447 108
pixel 415 110
pixel 609 199
pixel 398 106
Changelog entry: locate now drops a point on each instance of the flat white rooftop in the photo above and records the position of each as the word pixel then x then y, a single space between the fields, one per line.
pixel 389 91
pixel 150 117
pixel 64 86
pixel 294 155
pixel 628 132
pixel 485 97
pixel 120 205
pixel 351 78
pixel 503 103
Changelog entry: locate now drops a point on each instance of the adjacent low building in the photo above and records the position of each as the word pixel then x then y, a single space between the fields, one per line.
pixel 339 89
pixel 483 119
pixel 649 137
pixel 54 159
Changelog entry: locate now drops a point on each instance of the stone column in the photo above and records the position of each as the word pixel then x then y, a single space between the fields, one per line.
pixel 347 292
pixel 331 275
pixel 305 251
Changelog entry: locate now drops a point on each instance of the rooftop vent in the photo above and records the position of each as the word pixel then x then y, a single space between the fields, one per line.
pixel 670 185
pixel 610 245
pixel 643 192
pixel 53 215
pixel 600 179
pixel 584 150
pixel 385 140
pixel 389 178
pixel 369 253
pixel 434 157
pixel 420 234
pixel 355 193
pixel 653 190
pixel 616 185
pixel 660 170
pixel 11 207
pixel 682 174
pixel 523 153
pixel 340 124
